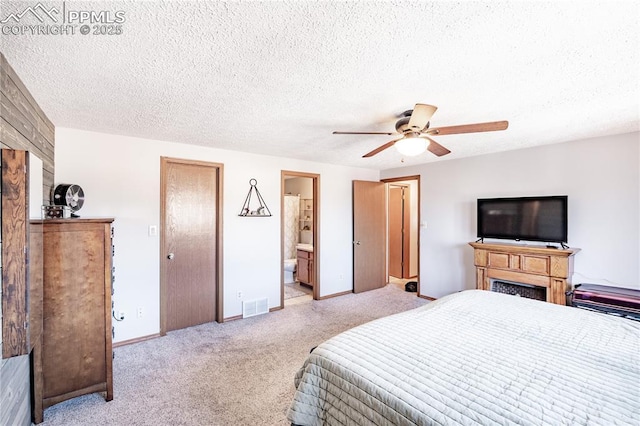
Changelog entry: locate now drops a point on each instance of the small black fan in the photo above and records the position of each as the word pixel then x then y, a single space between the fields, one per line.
pixel 69 195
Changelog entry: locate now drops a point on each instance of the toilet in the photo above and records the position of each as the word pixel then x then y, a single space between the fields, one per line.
pixel 289 269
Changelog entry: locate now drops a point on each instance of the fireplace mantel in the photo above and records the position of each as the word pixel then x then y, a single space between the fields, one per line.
pixel 540 266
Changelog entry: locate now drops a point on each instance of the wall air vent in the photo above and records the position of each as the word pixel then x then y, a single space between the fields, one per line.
pixel 251 308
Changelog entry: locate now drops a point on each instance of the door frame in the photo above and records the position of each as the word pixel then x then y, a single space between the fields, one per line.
pixel 315 182
pixel 417 179
pixel 164 161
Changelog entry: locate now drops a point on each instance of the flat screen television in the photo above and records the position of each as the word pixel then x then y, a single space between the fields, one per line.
pixel 524 218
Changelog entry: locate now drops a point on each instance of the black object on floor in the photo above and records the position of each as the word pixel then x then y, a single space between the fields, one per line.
pixel 411 286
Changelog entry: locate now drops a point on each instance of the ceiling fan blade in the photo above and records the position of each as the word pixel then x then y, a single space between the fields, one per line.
pixel 381 148
pixel 435 148
pixel 469 128
pixel 363 133
pixel 420 116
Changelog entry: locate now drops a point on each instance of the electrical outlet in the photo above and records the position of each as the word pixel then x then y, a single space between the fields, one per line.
pixel 239 295
pixel 140 312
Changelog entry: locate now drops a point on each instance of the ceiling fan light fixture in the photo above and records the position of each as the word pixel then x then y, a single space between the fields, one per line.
pixel 411 145
pixel 414 129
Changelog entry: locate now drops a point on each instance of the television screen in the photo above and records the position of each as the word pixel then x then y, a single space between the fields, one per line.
pixel 524 218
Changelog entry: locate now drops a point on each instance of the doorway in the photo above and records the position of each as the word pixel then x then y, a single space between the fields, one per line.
pixel 371 233
pixel 190 243
pixel 399 222
pixel 403 228
pixel 299 227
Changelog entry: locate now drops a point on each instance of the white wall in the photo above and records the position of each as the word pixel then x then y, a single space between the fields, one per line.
pixel 601 177
pixel 121 178
pixel 302 186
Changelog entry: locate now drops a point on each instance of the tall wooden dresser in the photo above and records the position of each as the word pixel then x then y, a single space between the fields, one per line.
pixel 77 347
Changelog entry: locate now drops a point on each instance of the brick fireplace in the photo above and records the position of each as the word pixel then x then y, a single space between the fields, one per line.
pixel 530 271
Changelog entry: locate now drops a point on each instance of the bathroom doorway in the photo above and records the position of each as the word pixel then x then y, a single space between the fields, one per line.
pixel 299 237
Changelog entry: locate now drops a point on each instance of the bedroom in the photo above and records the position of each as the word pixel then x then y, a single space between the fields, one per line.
pixel 596 177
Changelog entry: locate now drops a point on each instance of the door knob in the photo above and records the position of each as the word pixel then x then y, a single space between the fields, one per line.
pixel 170 256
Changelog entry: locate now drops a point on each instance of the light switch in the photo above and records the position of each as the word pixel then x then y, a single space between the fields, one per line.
pixel 153 230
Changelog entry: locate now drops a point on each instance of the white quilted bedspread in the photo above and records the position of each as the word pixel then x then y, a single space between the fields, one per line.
pixel 476 358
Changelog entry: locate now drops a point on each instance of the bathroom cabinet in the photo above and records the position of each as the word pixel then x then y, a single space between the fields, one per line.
pixel 305 267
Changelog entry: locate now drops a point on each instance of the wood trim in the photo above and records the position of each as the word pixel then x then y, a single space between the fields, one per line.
pixel 136 340
pixel 233 318
pixel 427 297
pixel 220 247
pixel 219 236
pixel 329 296
pixel 401 179
pixel 276 308
pixel 315 177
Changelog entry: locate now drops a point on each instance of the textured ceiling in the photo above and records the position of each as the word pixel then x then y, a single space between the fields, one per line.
pixel 277 77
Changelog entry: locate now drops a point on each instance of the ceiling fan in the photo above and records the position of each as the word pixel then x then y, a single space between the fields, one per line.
pixel 414 128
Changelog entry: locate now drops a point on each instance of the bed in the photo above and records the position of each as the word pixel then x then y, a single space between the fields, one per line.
pixel 475 358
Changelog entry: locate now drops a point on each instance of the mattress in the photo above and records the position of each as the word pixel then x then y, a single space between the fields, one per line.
pixel 475 358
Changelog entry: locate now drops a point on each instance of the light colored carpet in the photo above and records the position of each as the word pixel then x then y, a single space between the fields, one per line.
pixel 236 373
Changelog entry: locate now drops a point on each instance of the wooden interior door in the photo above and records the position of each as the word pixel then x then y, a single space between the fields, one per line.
pixel 189 247
pixel 369 236
pixel 399 229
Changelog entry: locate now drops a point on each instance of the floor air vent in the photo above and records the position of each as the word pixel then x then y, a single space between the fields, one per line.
pixel 255 307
